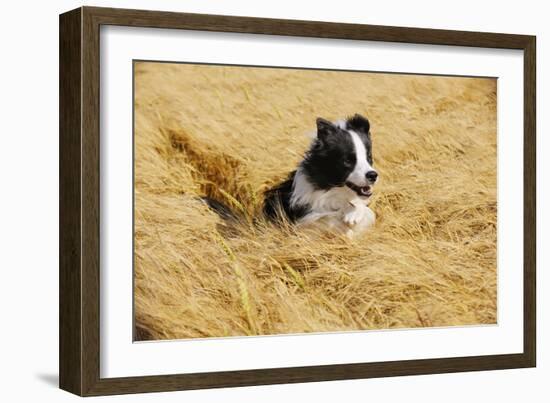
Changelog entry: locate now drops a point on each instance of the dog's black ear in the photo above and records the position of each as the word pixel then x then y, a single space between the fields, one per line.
pixel 359 123
pixel 324 129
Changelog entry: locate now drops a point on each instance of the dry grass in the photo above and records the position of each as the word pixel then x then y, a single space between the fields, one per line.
pixel 233 132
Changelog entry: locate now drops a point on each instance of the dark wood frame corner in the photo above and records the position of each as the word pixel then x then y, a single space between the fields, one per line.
pixel 79 200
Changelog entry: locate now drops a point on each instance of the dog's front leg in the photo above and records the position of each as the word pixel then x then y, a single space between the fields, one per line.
pixel 354 213
pixel 358 217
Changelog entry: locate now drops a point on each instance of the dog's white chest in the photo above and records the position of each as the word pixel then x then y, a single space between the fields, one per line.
pixel 341 210
pixel 338 208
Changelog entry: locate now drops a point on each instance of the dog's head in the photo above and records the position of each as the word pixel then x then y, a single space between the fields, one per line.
pixel 341 155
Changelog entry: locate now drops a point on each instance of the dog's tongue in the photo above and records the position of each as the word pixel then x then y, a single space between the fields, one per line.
pixel 360 190
pixel 364 190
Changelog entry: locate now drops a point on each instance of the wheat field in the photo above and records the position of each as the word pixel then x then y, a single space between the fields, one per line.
pixel 232 132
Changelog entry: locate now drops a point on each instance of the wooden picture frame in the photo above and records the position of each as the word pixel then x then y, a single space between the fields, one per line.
pixel 79 201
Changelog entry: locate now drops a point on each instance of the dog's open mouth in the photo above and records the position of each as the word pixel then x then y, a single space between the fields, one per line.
pixel 365 191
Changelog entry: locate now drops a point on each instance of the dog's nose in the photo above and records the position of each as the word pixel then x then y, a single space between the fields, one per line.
pixel 371 176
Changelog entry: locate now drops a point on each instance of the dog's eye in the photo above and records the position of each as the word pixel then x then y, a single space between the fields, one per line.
pixel 348 161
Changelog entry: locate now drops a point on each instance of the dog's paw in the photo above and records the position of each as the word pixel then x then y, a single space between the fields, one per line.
pixel 354 216
pixel 367 222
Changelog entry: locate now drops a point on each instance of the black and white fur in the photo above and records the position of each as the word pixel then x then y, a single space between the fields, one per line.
pixel 333 184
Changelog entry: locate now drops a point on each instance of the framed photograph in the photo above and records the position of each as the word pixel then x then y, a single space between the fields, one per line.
pixel 249 201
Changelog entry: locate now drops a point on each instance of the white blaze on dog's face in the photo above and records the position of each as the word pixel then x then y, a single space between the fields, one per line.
pixel 363 175
pixel 360 174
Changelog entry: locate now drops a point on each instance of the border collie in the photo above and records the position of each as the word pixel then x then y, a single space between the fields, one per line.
pixel 333 184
